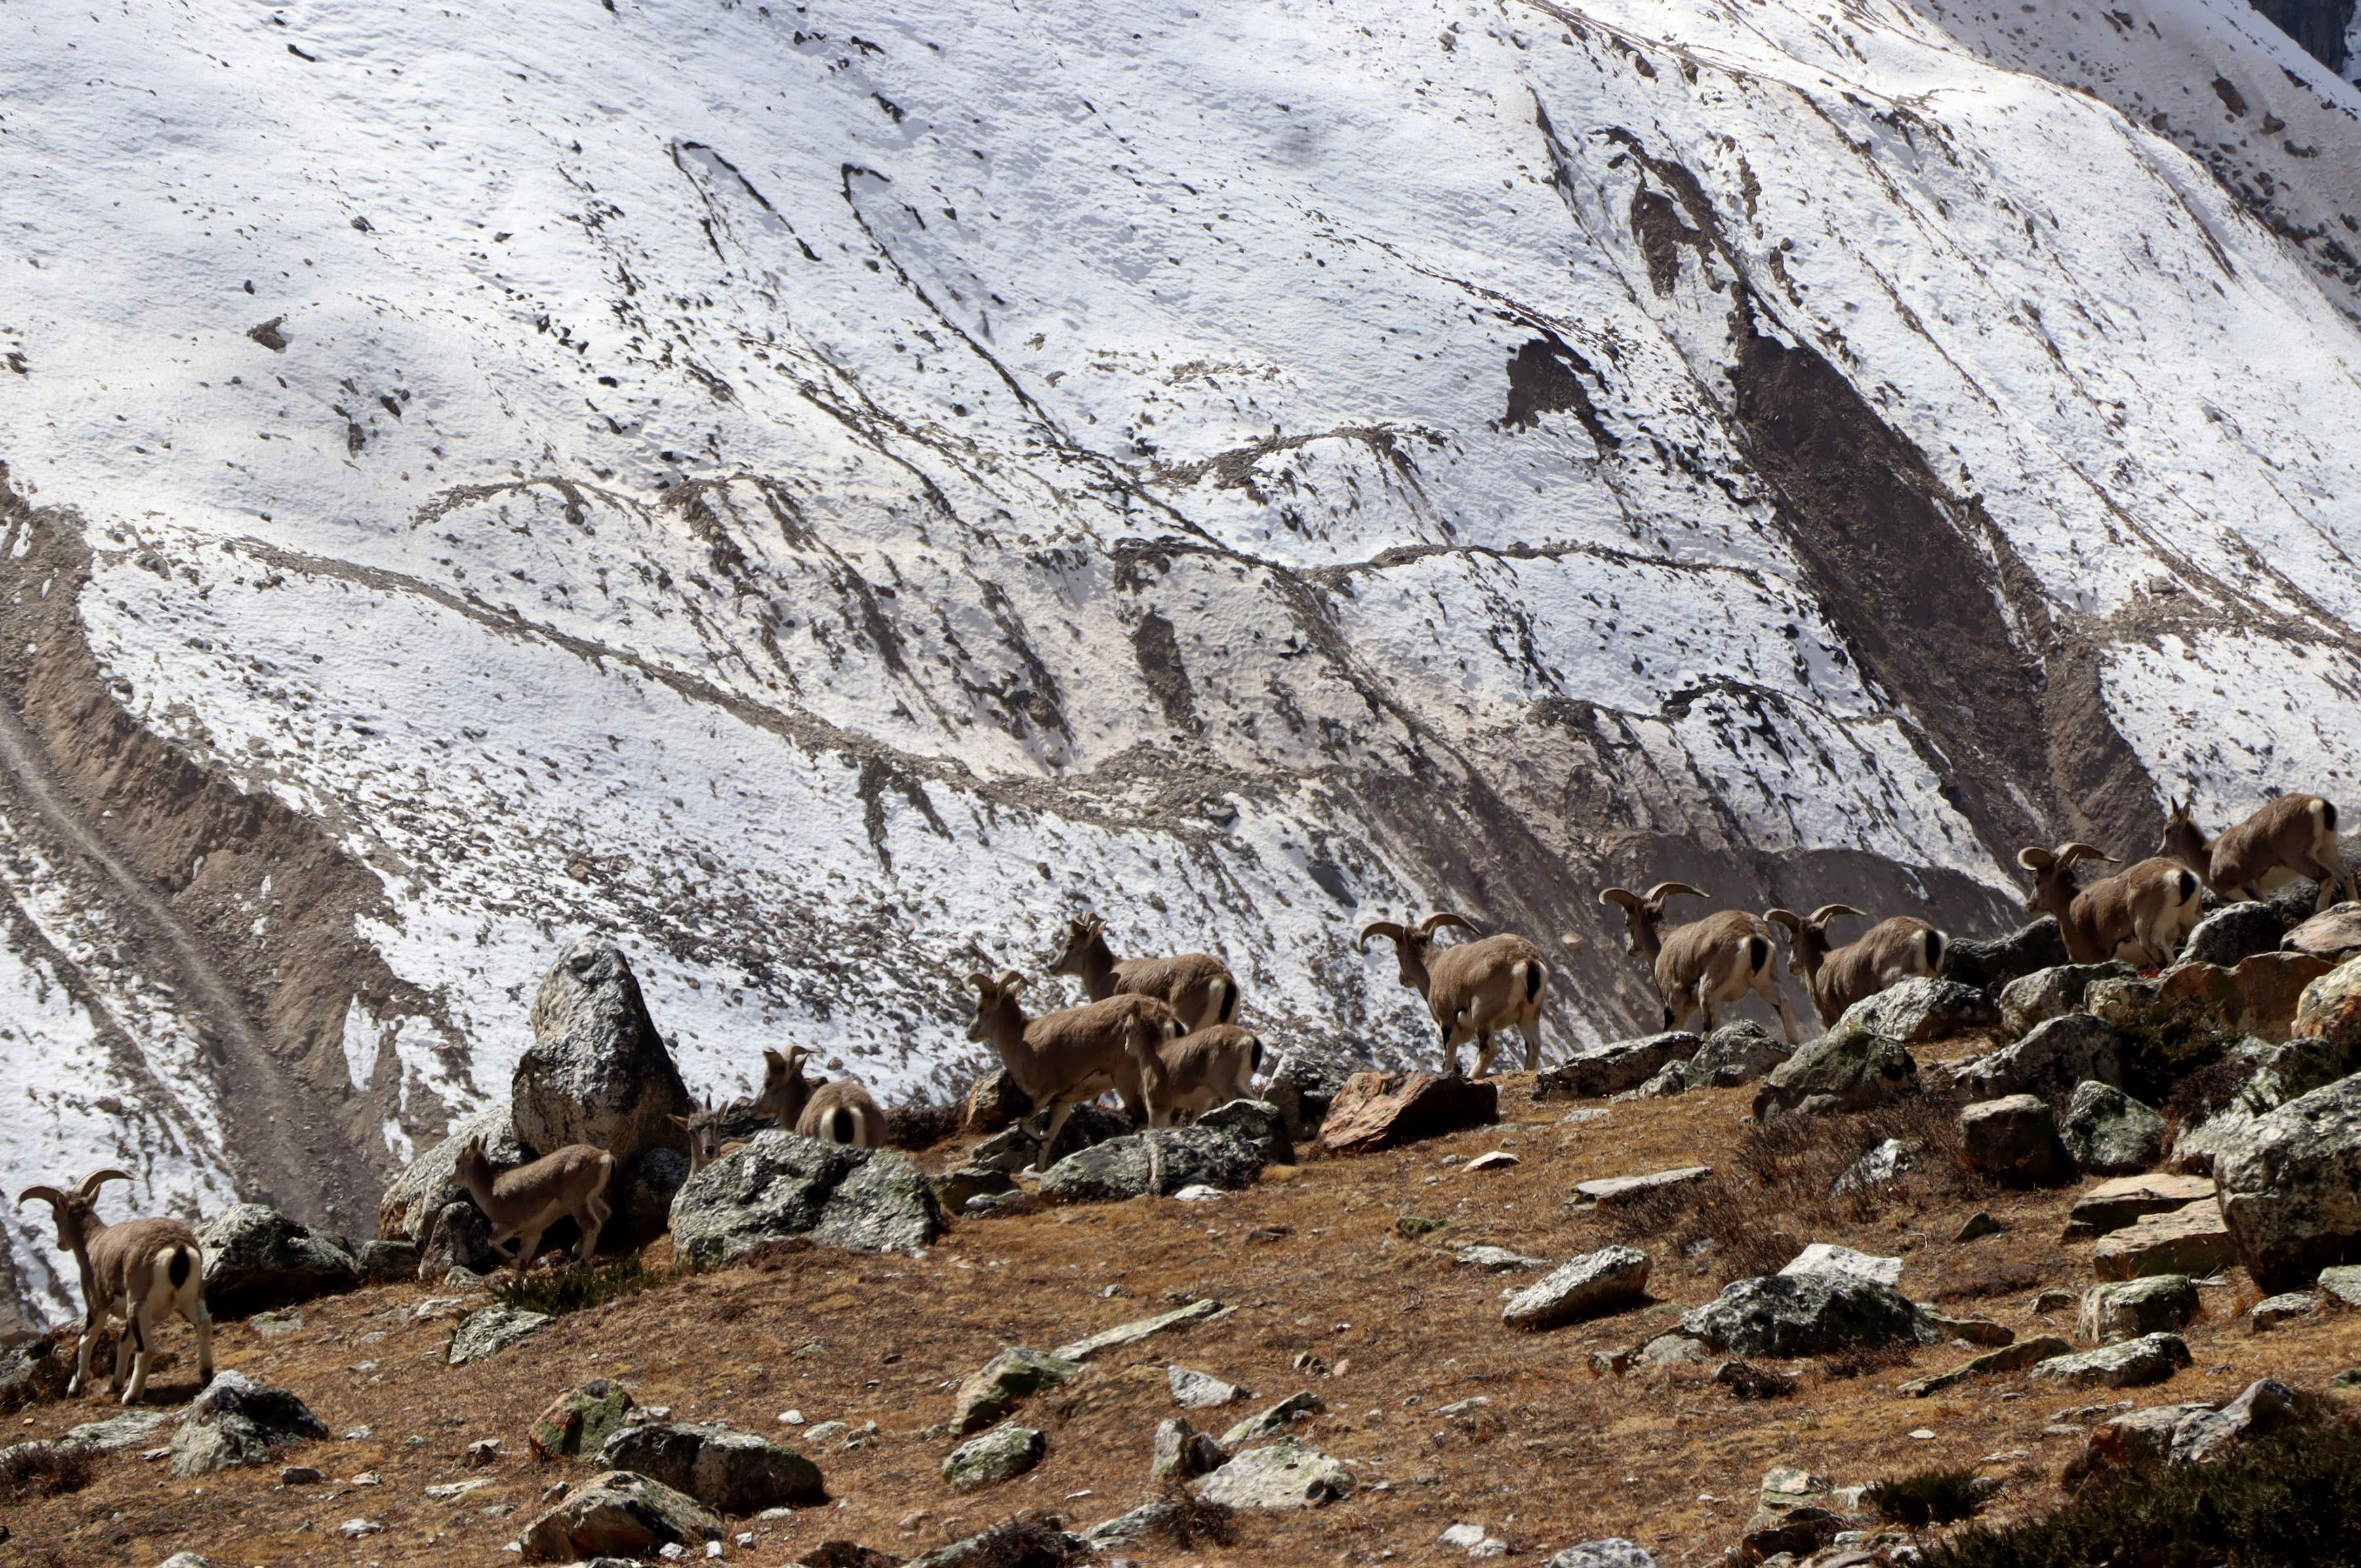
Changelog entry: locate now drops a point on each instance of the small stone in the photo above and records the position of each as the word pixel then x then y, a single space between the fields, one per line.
pixel 1196 1192
pixel 2053 1299
pixel 1195 1390
pixel 1918 1010
pixel 1182 1452
pixel 1274 1420
pixel 1807 1315
pixel 1604 1281
pixel 1382 1111
pixel 1282 1474
pixel 1669 1350
pixel 357 1530
pixel 1979 1224
pixel 2130 1365
pixel 1821 1257
pixel 825 1431
pixel 1612 1192
pixel 1879 1166
pixel 480 1453
pixel 300 1476
pixel 2156 1304
pixel 1497 1160
pixel 2270 1312
pixel 1614 1068
pixel 1001 1454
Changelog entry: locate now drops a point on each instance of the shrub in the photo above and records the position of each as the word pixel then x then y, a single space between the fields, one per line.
pixel 1861 1360
pixel 1940 1495
pixel 562 1290
pixel 1196 1518
pixel 45 1470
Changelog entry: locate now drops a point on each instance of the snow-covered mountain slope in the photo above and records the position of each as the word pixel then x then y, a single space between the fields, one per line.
pixel 824 492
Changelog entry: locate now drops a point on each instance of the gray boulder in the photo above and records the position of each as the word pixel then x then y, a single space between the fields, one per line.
pixel 1733 1055
pixel 1614 1552
pixel 237 1421
pixel 2291 1187
pixel 1847 1068
pixel 731 1472
pixel 1303 1084
pixel 2265 1407
pixel 650 1183
pixel 2014 1139
pixel 1615 1067
pixel 1158 1163
pixel 431 1181
pixel 2052 993
pixel 1282 1474
pixel 1604 1281
pixel 383 1262
pixel 1015 1148
pixel 257 1259
pixel 2131 1308
pixel 618 1514
pixel 597 1071
pixel 2132 1363
pixel 2233 932
pixel 783 1184
pixel 491 1331
pixel 1918 1010
pixel 1255 1121
pixel 2111 1134
pixel 2050 1060
pixel 1182 1452
pixel 1001 1454
pixel 1990 963
pixel 1014 1375
pixel 1806 1314
pixel 460 1238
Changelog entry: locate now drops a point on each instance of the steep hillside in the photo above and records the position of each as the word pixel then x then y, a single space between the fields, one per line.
pixel 825 491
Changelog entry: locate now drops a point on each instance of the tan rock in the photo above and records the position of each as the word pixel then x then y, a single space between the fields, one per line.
pixel 1383 1111
pixel 2112 1205
pixel 2193 1240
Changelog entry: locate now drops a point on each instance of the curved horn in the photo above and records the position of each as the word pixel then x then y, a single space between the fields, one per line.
pixel 1622 895
pixel 1442 917
pixel 975 978
pixel 1827 912
pixel 775 1063
pixel 1665 890
pixel 1787 918
pixel 1089 924
pixel 1010 982
pixel 2032 858
pixel 98 1179
pixel 2069 853
pixel 1379 928
pixel 50 1195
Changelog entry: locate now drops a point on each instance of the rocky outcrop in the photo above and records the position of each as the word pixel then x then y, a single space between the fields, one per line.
pixel 618 1514
pixel 1608 1280
pixel 1847 1068
pixel 1918 1010
pixel 1382 1111
pixel 1158 1163
pixel 257 1259
pixel 238 1422
pixel 2109 1133
pixel 2052 993
pixel 2291 1187
pixel 2258 996
pixel 2014 1140
pixel 731 1472
pixel 1806 1314
pixel 782 1184
pixel 2191 1240
pixel 1992 964
pixel 2051 1059
pixel 1614 1068
pixel 2159 1304
pixel 432 1180
pixel 597 1071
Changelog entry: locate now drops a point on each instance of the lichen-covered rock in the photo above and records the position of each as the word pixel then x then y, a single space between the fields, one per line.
pixel 782 1184
pixel 1383 1111
pixel 2014 1139
pixel 1001 1454
pixel 2132 1363
pixel 2109 1133
pixel 1599 1282
pixel 1847 1068
pixel 1806 1314
pixel 2233 932
pixel 1157 1162
pixel 597 1071
pixel 2052 993
pixel 1282 1474
pixel 1612 1551
pixel 2191 1240
pixel 1016 1149
pixel 491 1331
pixel 432 1180
pixel 1733 1055
pixel 2160 1304
pixel 1304 1085
pixel 2330 1008
pixel 994 1389
pixel 257 1259
pixel 1616 1066
pixel 2291 1187
pixel 2271 1312
pixel 1918 1010
pixel 618 1514
pixel 1821 1257
pixel 2334 933
pixel 238 1422
pixel 1255 1121
pixel 2051 1059
pixel 580 1420
pixel 731 1472
pixel 1990 964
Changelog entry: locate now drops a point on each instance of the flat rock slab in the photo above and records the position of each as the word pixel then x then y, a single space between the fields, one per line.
pixel 1001 1454
pixel 132 1428
pixel 2008 1358
pixel 1283 1474
pixel 2193 1240
pixel 1847 1068
pixel 2129 1309
pixel 1822 1257
pixel 1195 1390
pixel 994 1389
pixel 1608 1280
pixel 2133 1364
pixel 2334 933
pixel 2342 1284
pixel 1382 1111
pixel 2272 1312
pixel 2112 1205
pixel 1138 1329
pixel 1608 1191
pixel 618 1514
pixel 731 1472
pixel 492 1330
pixel 1496 1260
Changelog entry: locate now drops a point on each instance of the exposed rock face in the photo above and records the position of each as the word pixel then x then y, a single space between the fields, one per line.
pixel 1282 1474
pixel 1804 1315
pixel 597 1071
pixel 1158 1163
pixel 731 1472
pixel 2291 1187
pixel 235 1422
pixel 2233 932
pixel 2132 1363
pixel 2334 933
pixel 1613 1068
pixel 994 1389
pixel 1604 1281
pixel 1383 1111
pixel 2052 993
pixel 2258 996
pixel 2112 1205
pixel 1001 1454
pixel 1918 1010
pixel 2159 1304
pixel 580 1420
pixel 432 1180
pixel 2193 1240
pixel 1847 1068
pixel 2049 1061
pixel 783 1184
pixel 1992 964
pixel 618 1514
pixel 2111 1134
pixel 257 1259
pixel 2014 1139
